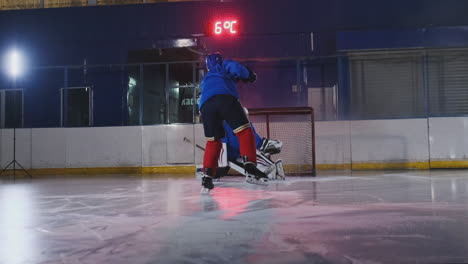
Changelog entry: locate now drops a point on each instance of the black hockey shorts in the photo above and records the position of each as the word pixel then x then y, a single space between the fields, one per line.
pixel 221 108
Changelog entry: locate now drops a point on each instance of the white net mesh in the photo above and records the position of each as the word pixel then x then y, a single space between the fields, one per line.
pixel 295 130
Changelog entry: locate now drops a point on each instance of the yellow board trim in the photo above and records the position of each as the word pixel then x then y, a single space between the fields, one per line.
pixel 113 170
pixel 169 170
pixel 391 166
pixel 375 166
pixel 86 171
pixel 423 165
pixel 333 166
pixel 449 164
pixel 190 169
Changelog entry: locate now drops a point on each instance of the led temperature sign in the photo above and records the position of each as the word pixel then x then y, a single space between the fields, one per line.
pixel 225 27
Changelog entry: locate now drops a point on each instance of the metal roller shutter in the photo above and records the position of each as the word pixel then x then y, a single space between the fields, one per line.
pixel 387 85
pixel 448 82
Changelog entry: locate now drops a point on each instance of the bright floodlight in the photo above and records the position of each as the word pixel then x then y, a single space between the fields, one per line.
pixel 14 63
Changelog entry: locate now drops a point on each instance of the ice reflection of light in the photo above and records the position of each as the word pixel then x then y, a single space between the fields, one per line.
pixel 174 193
pixel 231 201
pixel 454 189
pixel 432 191
pixel 17 243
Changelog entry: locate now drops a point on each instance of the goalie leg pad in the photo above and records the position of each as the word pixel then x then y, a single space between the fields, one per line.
pixel 280 170
pixel 266 165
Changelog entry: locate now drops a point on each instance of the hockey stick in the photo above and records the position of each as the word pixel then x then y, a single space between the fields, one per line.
pixel 196 145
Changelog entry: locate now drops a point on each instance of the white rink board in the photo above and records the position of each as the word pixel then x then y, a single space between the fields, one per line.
pixel 397 140
pixel 333 142
pixel 179 152
pixel 49 147
pixel 200 140
pixel 449 138
pixel 337 142
pixel 154 145
pixel 104 147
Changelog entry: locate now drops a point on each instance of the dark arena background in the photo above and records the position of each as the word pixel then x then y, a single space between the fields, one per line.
pixel 102 142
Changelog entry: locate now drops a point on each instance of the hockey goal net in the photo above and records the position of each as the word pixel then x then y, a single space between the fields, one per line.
pixel 295 127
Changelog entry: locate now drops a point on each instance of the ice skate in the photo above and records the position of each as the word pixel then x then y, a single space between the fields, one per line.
pixel 253 175
pixel 207 184
pixel 207 181
pixel 220 172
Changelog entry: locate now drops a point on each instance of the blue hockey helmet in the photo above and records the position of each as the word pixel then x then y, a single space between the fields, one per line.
pixel 214 62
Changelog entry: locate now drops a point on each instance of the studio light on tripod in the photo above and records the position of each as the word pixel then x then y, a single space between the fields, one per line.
pixel 14 64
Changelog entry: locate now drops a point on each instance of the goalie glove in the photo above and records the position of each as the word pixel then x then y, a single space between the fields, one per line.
pixel 271 146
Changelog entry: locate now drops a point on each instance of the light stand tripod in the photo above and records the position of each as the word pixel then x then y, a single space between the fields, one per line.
pixel 14 162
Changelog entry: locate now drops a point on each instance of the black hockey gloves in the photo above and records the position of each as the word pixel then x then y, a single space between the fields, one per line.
pixel 252 76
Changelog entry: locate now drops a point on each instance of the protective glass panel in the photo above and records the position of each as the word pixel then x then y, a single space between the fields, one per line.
pixel 76 107
pixel 181 93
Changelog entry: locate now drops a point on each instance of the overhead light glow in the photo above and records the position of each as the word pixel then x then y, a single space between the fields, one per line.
pixel 14 63
pixel 181 43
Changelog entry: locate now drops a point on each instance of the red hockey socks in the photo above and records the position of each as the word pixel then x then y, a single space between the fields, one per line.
pixel 210 159
pixel 247 144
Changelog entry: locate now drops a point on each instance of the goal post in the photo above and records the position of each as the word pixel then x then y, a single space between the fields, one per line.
pixel 295 127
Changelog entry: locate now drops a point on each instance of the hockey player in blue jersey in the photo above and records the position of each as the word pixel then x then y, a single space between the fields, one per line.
pixel 219 101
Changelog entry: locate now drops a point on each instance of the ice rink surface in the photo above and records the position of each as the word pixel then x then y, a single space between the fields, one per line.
pixel 371 217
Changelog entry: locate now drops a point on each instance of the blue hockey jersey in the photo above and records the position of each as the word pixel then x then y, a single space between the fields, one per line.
pixel 221 79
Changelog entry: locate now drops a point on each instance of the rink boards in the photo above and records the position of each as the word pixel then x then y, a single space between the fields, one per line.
pixel 362 144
